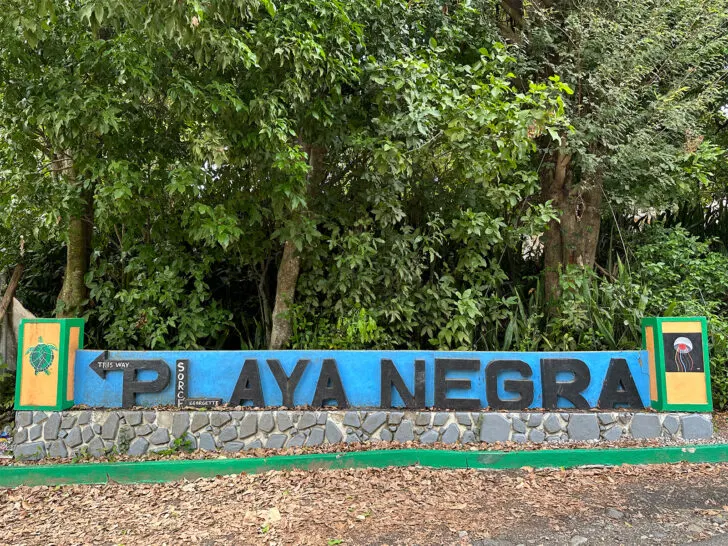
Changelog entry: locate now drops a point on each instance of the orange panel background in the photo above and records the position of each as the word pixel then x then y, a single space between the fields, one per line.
pixel 650 344
pixel 685 387
pixel 687 327
pixel 73 338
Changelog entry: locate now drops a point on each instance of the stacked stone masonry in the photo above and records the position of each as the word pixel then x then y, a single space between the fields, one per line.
pixel 40 434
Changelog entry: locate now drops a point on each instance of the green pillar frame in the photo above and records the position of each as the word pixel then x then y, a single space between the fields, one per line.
pixel 63 398
pixel 660 402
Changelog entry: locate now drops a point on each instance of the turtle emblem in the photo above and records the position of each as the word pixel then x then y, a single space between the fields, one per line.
pixel 41 356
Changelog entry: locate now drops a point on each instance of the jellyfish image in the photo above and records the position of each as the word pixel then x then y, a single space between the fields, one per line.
pixel 683 359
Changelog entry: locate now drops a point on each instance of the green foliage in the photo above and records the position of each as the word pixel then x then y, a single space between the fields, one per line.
pixel 7 394
pixel 597 314
pixel 193 173
pixel 81 456
pixel 355 330
pixel 672 274
pixel 400 146
pixel 593 313
pixel 686 278
pixel 447 190
pixel 646 77
pixel 179 445
pixel 162 300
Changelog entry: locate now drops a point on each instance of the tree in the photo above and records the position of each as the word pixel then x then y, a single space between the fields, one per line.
pixel 644 74
pixel 115 102
pixel 71 101
pixel 426 197
pixel 228 141
pixel 311 125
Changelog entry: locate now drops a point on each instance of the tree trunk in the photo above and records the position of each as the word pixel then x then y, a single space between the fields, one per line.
pixel 573 238
pixel 291 261
pixel 285 292
pixel 264 302
pixel 78 250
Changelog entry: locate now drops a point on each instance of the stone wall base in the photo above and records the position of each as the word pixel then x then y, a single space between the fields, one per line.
pixel 96 433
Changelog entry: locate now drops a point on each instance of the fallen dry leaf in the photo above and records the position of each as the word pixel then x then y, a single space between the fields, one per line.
pixel 357 506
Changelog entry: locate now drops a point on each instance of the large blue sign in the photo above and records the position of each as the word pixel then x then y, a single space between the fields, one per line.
pixel 363 379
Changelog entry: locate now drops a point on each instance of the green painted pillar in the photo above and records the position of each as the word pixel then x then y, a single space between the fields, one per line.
pixel 679 363
pixel 46 363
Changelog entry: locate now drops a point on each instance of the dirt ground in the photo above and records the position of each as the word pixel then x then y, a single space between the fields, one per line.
pixel 665 504
pixel 720 424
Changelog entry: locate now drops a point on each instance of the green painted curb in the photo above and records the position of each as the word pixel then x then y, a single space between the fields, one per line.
pixel 169 470
pixel 567 458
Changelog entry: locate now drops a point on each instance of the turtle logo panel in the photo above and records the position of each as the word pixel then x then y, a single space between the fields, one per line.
pixel 46 357
pixel 679 364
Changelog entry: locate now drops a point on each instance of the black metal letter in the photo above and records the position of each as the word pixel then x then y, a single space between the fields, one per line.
pixel 619 388
pixel 248 386
pixel 132 386
pixel 287 384
pixel 524 387
pixel 442 385
pixel 571 390
pixel 392 380
pixel 329 386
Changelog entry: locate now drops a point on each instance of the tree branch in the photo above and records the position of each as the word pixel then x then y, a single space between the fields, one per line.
pixel 10 292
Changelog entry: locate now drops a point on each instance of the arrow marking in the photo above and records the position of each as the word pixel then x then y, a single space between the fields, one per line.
pixel 102 364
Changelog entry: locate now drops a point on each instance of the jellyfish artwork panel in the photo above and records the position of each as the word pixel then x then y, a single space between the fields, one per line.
pixel 683 352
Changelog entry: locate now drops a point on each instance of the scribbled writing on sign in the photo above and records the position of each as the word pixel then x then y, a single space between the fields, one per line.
pixel 181 398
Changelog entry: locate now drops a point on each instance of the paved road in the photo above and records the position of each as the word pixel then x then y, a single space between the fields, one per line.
pixel 630 505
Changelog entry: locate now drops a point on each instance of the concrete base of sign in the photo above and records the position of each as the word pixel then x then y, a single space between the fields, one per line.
pixel 96 433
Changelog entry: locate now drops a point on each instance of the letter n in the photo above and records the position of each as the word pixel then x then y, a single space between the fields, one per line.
pixel 392 380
